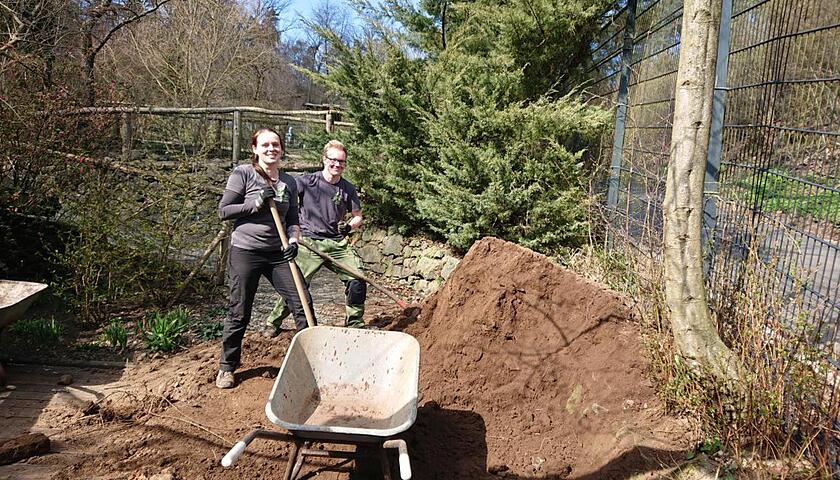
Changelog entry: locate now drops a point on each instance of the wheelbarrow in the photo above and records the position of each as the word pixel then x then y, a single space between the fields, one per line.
pixel 15 299
pixel 343 386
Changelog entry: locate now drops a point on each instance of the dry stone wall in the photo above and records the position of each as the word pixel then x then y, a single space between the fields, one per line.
pixel 419 263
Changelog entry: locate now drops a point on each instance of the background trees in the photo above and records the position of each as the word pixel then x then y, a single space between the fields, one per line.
pixel 462 128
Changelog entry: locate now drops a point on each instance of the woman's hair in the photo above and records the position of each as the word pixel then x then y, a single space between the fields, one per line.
pixel 255 159
pixel 333 144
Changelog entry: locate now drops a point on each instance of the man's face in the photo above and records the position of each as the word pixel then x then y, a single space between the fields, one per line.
pixel 335 161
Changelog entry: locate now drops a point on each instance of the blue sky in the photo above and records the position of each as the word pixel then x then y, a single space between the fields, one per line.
pixel 305 7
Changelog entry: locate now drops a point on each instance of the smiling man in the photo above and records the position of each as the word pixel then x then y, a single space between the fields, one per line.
pixel 326 199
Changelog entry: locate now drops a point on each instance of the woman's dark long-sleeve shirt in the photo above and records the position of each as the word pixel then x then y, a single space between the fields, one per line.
pixel 254 228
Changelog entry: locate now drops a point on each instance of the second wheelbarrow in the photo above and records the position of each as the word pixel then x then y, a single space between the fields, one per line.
pixel 343 386
pixel 15 299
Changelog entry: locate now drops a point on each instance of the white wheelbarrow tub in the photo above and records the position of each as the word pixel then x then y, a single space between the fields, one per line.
pixel 347 384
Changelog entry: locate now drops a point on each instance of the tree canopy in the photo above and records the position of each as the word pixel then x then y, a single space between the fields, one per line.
pixel 463 128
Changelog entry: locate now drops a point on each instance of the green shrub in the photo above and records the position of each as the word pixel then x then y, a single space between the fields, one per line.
pixel 472 138
pixel 210 330
pixel 115 334
pixel 38 331
pixel 162 332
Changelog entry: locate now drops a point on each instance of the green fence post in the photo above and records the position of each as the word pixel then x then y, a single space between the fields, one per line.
pixel 711 188
pixel 621 112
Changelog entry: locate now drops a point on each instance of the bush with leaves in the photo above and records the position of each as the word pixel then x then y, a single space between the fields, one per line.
pixel 162 332
pixel 469 137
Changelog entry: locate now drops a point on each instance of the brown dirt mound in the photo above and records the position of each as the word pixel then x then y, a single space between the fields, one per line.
pixel 527 371
pixel 530 370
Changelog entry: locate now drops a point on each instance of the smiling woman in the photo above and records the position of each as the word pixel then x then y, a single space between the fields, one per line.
pixel 256 248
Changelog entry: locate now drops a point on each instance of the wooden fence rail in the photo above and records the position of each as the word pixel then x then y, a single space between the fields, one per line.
pixel 234 115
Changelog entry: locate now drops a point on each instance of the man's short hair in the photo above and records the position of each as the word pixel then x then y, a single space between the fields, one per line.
pixel 333 144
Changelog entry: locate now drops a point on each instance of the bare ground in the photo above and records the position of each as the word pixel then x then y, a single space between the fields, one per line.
pixel 527 371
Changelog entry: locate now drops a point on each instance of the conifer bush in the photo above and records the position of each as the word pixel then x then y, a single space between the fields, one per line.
pixel 471 138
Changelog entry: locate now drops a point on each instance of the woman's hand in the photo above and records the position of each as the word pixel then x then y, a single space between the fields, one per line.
pixel 265 194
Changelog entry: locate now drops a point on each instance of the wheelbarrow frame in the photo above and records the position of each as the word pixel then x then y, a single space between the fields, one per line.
pixel 300 450
pixel 343 386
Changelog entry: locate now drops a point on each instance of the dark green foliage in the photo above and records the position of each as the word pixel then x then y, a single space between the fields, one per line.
pixel 37 331
pixel 471 139
pixel 210 330
pixel 162 332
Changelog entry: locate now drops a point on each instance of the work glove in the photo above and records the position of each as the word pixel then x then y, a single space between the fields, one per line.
pixel 344 229
pixel 265 194
pixel 290 252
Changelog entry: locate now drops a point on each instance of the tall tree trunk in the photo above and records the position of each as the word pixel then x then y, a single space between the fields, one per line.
pixel 695 333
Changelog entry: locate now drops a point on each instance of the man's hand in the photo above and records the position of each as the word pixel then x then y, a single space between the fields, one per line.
pixel 289 252
pixel 344 229
pixel 265 194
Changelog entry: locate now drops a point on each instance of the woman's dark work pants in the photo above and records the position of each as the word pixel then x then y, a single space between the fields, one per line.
pixel 246 267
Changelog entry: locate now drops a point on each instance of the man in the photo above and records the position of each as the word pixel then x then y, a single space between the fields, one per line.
pixel 325 200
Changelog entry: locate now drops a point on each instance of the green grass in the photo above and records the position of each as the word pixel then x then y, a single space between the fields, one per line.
pixel 162 332
pixel 38 331
pixel 784 192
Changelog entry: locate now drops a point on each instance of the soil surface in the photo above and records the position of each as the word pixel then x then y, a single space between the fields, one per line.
pixel 527 371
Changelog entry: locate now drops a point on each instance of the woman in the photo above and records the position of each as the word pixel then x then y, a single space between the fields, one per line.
pixel 256 249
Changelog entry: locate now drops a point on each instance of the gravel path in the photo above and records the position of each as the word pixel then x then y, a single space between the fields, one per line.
pixel 327 293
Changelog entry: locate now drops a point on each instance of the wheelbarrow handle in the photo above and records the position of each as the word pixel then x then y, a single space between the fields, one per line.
pixel 405 464
pixel 234 453
pixel 240 446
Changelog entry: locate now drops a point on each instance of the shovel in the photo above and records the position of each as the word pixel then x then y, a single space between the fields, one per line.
pixel 301 289
pixel 354 273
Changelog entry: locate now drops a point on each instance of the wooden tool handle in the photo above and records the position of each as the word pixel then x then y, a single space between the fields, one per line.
pixel 354 273
pixel 301 288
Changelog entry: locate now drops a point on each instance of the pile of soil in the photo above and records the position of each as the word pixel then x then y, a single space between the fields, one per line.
pixel 527 371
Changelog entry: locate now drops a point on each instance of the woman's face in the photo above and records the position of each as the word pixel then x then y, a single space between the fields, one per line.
pixel 268 149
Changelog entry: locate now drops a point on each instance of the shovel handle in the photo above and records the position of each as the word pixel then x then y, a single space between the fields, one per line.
pixel 354 273
pixel 301 289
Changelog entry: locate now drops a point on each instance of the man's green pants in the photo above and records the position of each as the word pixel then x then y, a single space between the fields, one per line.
pixel 355 290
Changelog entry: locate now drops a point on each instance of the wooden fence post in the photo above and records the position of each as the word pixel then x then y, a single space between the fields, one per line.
pixel 218 139
pixel 329 124
pixel 126 133
pixel 237 119
pixel 224 249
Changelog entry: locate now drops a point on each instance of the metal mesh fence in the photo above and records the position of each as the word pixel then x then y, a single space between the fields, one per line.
pixel 773 172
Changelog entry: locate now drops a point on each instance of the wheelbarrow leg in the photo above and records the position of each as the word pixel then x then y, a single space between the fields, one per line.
pixel 299 458
pixel 386 466
pixel 293 456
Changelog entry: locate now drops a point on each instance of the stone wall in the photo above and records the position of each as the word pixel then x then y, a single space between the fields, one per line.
pixel 419 263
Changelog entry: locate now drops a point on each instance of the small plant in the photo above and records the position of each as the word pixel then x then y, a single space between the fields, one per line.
pixel 211 327
pixel 210 330
pixel 711 445
pixel 215 312
pixel 161 332
pixel 115 334
pixel 39 331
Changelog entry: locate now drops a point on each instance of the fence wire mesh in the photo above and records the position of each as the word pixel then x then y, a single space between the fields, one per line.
pixel 773 173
